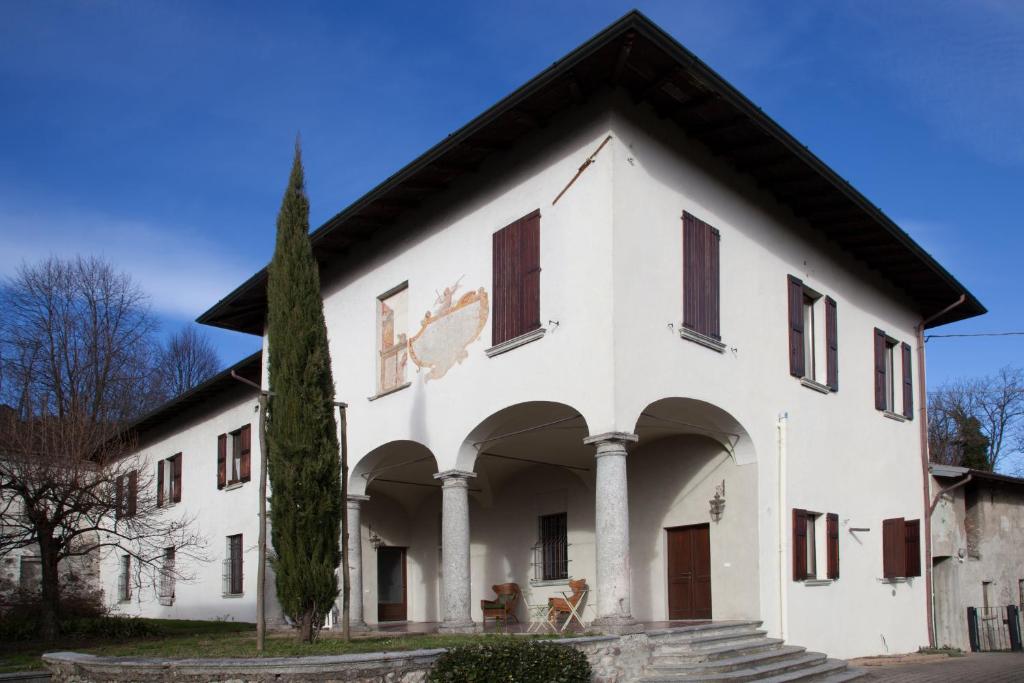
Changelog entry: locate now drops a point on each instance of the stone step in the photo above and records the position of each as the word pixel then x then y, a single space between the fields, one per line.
pixel 830 671
pixel 719 650
pixel 764 672
pixel 710 638
pixel 734 663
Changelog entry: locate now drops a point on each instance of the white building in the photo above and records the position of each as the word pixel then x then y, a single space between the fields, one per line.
pixel 619 294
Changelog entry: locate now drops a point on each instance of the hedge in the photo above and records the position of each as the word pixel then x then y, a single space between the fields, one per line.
pixel 511 660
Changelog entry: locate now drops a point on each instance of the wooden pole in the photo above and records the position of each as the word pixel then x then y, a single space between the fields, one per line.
pixel 346 634
pixel 261 569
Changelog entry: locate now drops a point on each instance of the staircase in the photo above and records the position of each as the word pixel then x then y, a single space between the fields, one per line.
pixel 735 651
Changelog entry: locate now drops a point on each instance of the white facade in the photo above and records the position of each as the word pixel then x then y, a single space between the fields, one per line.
pixel 201 593
pixel 453 468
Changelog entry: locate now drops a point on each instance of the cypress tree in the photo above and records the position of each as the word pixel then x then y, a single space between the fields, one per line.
pixel 305 472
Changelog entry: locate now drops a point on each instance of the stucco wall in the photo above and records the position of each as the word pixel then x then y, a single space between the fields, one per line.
pixel 843 455
pixel 217 513
pixel 985 544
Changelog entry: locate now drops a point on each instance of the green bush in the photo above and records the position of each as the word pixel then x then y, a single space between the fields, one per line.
pixel 511 660
pixel 22 626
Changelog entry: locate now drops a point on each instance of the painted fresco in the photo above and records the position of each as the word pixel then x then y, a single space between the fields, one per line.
pixel 392 340
pixel 447 330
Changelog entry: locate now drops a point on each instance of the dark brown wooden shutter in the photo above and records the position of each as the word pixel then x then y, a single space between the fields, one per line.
pixel 894 548
pixel 908 383
pixel 832 533
pixel 799 544
pixel 176 478
pixel 133 492
pixel 119 497
pixel 246 438
pixel 516 279
pixel 222 460
pixel 701 277
pixel 795 297
pixel 530 260
pixel 913 547
pixel 160 483
pixel 879 337
pixel 831 344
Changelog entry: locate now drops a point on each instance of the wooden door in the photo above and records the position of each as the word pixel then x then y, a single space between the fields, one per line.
pixel 689 572
pixel 391 588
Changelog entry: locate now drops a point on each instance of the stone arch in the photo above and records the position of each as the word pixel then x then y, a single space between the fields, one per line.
pixel 675 415
pixel 411 457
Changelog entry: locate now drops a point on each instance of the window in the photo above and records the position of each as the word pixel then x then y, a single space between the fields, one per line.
pixel 392 326
pixel 552 549
pixel 901 548
pixel 124 584
pixel 30 577
pixel 168 481
pixel 986 588
pixel 813 336
pixel 233 566
pixel 892 360
pixel 234 466
pixel 516 285
pixel 126 494
pixel 807 532
pixel 701 299
pixel 167 576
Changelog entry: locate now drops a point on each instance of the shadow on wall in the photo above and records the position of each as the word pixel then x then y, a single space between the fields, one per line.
pixel 671 481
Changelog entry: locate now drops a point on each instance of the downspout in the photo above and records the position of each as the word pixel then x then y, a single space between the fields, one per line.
pixel 783 582
pixel 923 426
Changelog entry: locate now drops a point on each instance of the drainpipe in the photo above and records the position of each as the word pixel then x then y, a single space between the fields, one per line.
pixel 783 602
pixel 923 425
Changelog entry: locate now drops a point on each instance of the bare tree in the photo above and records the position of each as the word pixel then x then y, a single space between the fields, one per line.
pixel 186 361
pixel 995 401
pixel 75 344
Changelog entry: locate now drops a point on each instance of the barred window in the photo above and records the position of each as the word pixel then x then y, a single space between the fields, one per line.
pixel 552 549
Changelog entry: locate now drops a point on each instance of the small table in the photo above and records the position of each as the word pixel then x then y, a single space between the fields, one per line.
pixel 539 618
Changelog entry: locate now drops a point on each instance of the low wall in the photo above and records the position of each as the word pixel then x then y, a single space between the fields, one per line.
pixel 613 659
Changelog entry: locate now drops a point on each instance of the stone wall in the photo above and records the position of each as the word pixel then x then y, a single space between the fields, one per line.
pixel 613 659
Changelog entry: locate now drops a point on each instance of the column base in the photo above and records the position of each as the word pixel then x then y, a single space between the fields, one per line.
pixel 617 625
pixel 358 626
pixel 459 627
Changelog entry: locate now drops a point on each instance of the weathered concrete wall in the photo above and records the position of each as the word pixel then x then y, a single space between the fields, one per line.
pixel 978 539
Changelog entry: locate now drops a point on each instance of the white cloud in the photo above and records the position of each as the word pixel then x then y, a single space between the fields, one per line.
pixel 182 271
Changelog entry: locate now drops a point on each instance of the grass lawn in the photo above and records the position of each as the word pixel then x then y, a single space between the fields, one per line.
pixel 185 639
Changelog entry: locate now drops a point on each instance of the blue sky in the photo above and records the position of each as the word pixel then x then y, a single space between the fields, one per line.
pixel 159 134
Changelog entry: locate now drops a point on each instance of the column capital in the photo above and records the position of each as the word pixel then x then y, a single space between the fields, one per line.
pixel 452 477
pixel 617 438
pixel 356 501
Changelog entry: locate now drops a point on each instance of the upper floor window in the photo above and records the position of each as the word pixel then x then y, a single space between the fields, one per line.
pixel 701 290
pixel 233 457
pixel 392 338
pixel 813 336
pixel 168 481
pixel 892 360
pixel 126 494
pixel 516 272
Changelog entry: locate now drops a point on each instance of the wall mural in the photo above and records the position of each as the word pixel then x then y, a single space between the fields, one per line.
pixel 446 331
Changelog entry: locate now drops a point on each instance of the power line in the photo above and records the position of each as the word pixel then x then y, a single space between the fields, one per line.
pixel 975 334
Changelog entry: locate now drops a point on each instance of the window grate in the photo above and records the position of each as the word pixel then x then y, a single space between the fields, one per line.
pixel 551 553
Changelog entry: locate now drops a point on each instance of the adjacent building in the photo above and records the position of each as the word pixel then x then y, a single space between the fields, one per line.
pixel 619 327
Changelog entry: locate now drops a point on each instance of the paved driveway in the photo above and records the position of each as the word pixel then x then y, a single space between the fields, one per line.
pixel 994 667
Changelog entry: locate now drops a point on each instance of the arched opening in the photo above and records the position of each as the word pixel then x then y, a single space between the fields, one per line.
pixel 532 514
pixel 400 533
pixel 693 514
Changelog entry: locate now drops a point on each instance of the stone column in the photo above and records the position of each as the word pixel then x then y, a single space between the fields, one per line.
pixel 455 551
pixel 611 531
pixel 355 563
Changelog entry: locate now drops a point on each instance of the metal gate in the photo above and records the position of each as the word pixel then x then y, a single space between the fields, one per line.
pixel 994 629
